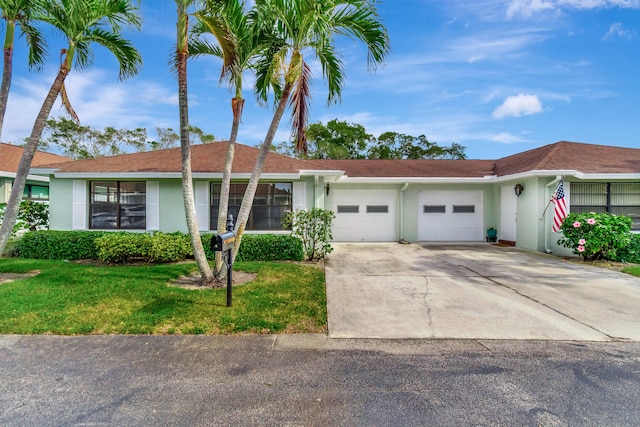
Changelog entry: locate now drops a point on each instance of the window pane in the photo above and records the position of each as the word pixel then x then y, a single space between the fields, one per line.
pixel 433 209
pixel 624 194
pixel 588 194
pixel 104 216
pixel 271 203
pixel 464 208
pixel 118 205
pixel 348 208
pixel 39 192
pixel 377 209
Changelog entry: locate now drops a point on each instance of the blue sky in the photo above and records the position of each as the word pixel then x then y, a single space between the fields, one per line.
pixel 497 76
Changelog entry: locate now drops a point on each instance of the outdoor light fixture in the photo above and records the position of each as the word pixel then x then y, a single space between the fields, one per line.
pixel 518 188
pixel 327 188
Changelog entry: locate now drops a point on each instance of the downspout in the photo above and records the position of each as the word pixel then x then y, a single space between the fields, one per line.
pixel 401 212
pixel 316 180
pixel 546 223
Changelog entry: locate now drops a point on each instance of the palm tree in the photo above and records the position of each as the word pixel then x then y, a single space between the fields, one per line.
pixel 300 26
pixel 19 12
pixel 182 53
pixel 236 46
pixel 82 22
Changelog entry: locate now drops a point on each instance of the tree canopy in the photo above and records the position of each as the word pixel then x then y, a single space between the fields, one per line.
pixel 342 140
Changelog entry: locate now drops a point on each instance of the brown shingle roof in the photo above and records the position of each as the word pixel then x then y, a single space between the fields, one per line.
pixel 564 155
pixel 205 158
pixel 412 168
pixel 10 158
pixel 209 158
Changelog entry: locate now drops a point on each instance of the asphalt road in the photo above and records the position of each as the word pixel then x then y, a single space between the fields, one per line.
pixel 311 380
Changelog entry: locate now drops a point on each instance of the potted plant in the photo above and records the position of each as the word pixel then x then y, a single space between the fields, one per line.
pixel 492 234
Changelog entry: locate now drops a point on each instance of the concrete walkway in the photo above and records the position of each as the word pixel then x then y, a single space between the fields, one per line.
pixel 476 291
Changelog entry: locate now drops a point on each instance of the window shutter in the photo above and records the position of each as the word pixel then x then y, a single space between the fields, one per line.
pixel 299 195
pixel 153 205
pixel 202 204
pixel 79 214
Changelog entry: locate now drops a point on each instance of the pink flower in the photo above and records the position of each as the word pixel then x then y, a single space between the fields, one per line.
pixel 582 242
pixel 580 248
pixel 591 221
pixel 576 224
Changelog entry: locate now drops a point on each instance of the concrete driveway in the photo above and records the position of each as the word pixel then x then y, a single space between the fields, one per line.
pixel 391 290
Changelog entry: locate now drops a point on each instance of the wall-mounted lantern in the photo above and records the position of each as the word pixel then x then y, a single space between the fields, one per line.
pixel 518 189
pixel 327 188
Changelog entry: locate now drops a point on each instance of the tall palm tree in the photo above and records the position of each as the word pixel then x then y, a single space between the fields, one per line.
pixel 82 22
pixel 301 26
pixel 236 46
pixel 19 12
pixel 182 53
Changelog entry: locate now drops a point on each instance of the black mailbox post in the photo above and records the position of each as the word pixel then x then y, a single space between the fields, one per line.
pixel 224 243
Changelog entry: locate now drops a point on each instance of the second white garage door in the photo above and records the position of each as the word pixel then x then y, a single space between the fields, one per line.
pixel 450 216
pixel 364 215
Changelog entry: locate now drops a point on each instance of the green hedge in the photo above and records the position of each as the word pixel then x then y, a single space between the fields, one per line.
pixel 631 252
pixel 119 247
pixel 263 247
pixel 48 244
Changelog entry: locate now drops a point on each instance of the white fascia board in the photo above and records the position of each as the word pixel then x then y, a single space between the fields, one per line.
pixel 328 172
pixel 30 177
pixel 414 180
pixel 538 173
pixel 610 176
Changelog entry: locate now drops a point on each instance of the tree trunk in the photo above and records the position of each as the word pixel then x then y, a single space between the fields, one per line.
pixel 11 212
pixel 187 181
pixel 6 71
pixel 250 192
pixel 236 105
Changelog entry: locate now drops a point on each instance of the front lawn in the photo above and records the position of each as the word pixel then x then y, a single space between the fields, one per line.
pixel 632 270
pixel 72 298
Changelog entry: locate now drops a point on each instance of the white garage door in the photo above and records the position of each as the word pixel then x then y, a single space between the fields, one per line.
pixel 450 216
pixel 364 215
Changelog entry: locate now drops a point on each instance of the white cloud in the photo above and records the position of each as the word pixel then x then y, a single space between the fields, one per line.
pixel 519 105
pixel 617 30
pixel 526 8
pixel 506 138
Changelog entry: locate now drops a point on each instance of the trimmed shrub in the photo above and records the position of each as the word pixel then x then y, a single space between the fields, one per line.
pixel 313 228
pixel 595 235
pixel 169 247
pixel 115 248
pixel 263 247
pixel 121 248
pixel 48 244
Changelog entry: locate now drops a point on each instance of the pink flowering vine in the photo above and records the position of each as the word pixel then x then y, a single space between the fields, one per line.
pixel 582 242
pixel 576 224
pixel 580 248
pixel 591 221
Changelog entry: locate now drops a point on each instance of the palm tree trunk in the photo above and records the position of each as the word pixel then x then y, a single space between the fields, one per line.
pixel 11 212
pixel 187 180
pixel 237 105
pixel 250 192
pixel 6 71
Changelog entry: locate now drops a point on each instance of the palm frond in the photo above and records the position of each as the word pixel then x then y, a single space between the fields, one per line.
pixel 128 57
pixel 67 104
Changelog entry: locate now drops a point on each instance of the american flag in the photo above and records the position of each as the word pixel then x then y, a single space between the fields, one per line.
pixel 560 212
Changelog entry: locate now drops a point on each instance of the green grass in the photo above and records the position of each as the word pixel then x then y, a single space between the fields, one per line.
pixel 68 298
pixel 632 270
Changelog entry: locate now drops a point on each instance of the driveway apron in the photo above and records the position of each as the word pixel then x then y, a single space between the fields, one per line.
pixel 475 291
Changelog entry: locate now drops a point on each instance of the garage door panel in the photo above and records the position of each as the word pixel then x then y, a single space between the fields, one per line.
pixel 451 216
pixel 364 215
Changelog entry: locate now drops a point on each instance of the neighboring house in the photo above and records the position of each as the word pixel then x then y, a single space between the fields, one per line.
pixel 37 186
pixel 374 200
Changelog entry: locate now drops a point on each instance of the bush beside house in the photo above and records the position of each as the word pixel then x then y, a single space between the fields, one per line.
pixel 123 247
